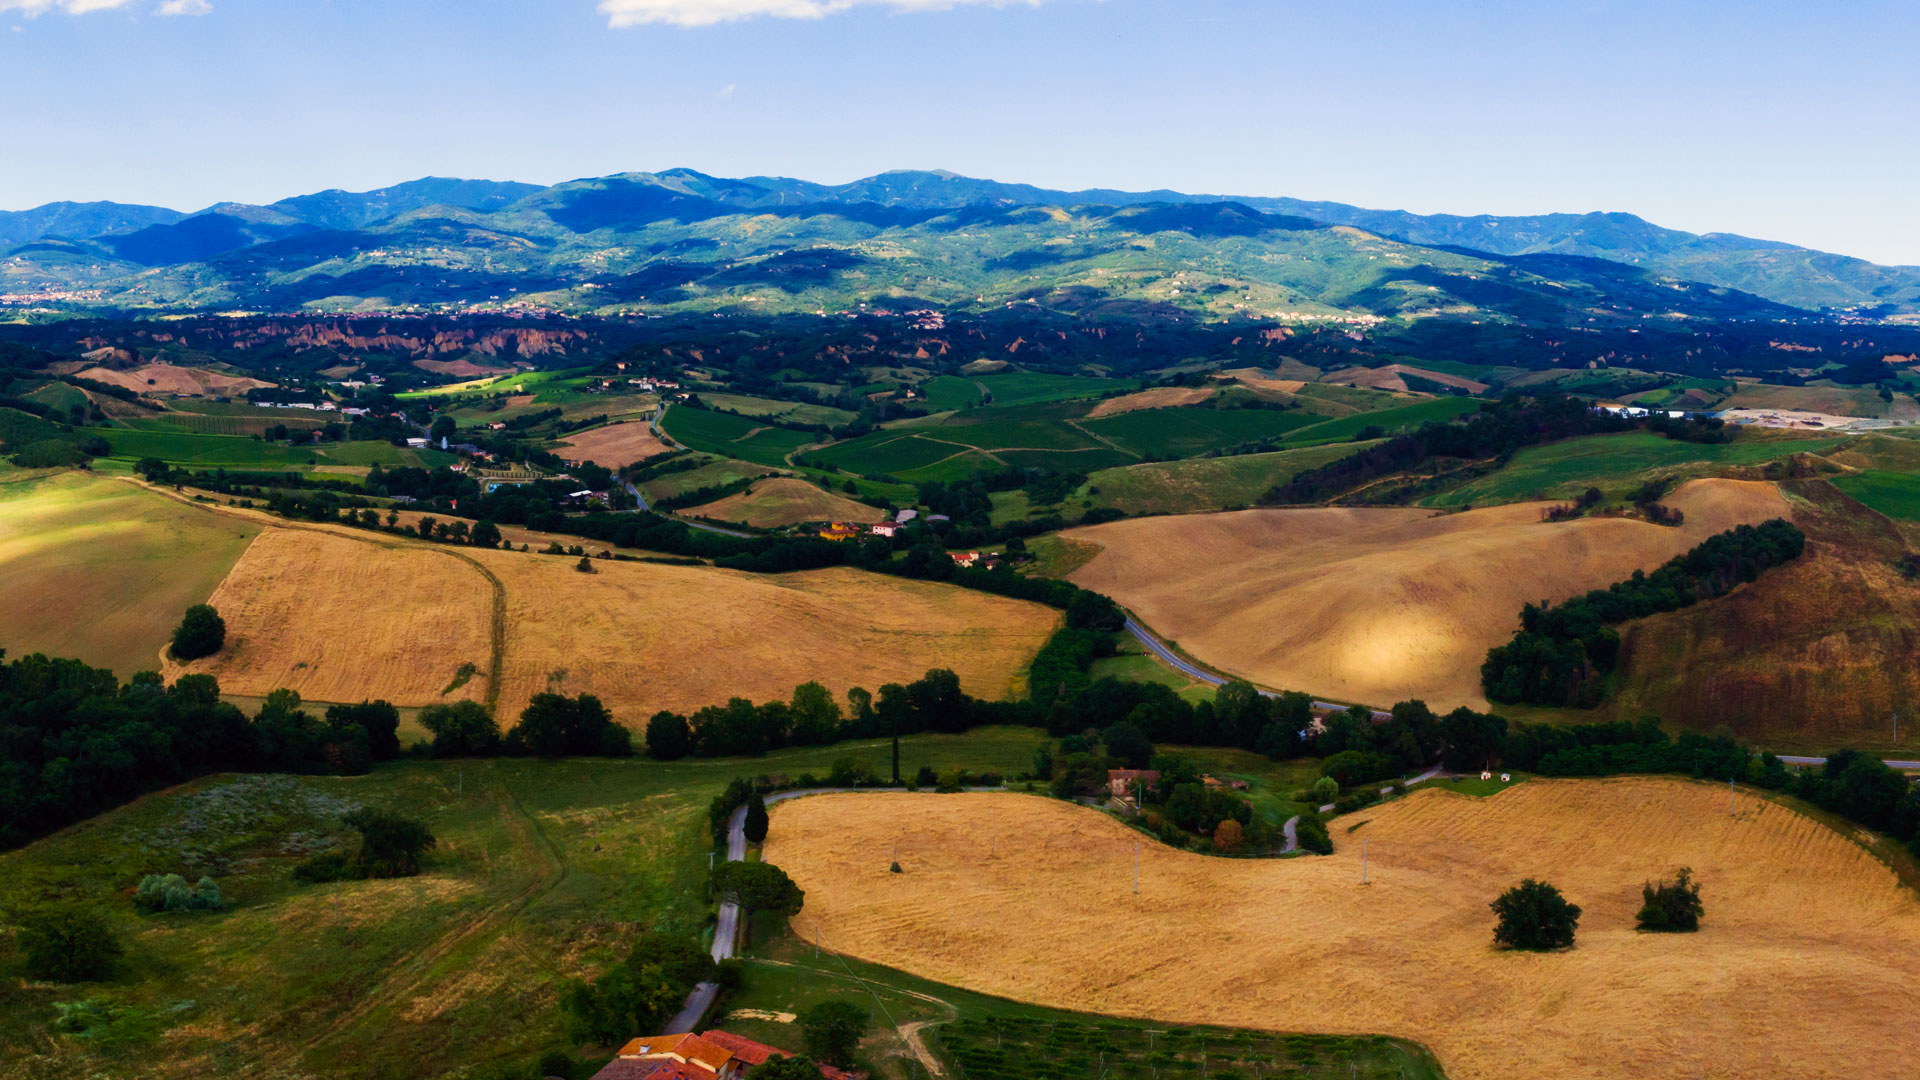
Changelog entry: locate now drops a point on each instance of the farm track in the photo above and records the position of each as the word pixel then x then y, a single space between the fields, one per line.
pixel 412 975
pixel 497 665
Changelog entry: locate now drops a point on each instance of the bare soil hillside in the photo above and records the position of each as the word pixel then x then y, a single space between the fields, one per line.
pixel 1378 604
pixel 1809 950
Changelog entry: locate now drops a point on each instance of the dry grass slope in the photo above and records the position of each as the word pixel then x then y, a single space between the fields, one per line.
pixel 1804 967
pixel 172 379
pixel 782 501
pixel 1380 605
pixel 1163 397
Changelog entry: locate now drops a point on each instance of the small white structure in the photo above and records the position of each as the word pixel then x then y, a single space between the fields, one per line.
pixel 1505 779
pixel 1486 776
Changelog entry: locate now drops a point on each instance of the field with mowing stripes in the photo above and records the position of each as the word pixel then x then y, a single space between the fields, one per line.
pixel 1808 947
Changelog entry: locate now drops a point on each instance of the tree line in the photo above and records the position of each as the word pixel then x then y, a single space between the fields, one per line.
pixel 1563 653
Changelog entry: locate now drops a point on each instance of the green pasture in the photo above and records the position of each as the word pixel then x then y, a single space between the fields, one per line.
pixel 1616 464
pixel 949 392
pixel 787 412
pixel 1895 494
pixel 1186 432
pixel 241 452
pixel 1209 483
pixel 1392 419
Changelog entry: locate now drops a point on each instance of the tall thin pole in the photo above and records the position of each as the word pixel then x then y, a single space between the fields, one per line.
pixel 1729 796
pixel 1136 868
pixel 1363 862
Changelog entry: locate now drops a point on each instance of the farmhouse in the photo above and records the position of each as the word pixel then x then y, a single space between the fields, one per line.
pixel 840 530
pixel 886 529
pixel 711 1055
pixel 1123 782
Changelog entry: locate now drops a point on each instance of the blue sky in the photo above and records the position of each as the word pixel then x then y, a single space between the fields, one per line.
pixel 1794 121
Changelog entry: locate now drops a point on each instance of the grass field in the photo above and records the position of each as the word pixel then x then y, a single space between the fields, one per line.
pixel 1895 494
pixel 228 423
pixel 948 392
pixel 1618 463
pixel 542 872
pixel 733 436
pixel 1185 432
pixel 344 617
pixel 781 501
pixel 711 473
pixel 1392 419
pixel 1806 942
pixel 240 452
pixel 1836 400
pixel 1380 605
pixel 791 412
pixel 1185 487
pixel 101 570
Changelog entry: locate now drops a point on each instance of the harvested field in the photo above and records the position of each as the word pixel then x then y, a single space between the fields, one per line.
pixel 101 570
pixel 1163 397
pixel 1390 377
pixel 172 379
pixel 615 445
pixel 1809 951
pixel 1381 605
pixel 1255 379
pixel 784 500
pixel 337 618
pixel 646 636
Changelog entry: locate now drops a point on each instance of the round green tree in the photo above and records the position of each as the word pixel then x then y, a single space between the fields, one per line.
pixel 69 946
pixel 1533 915
pixel 202 632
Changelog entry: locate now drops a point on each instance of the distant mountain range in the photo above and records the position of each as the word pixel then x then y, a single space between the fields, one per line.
pixel 682 240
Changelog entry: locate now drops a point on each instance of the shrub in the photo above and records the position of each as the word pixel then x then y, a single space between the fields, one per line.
pixel 1229 836
pixel 832 1030
pixel 1671 906
pixel 70 946
pixel 170 892
pixel 668 737
pixel 390 845
pixel 1311 833
pixel 1325 790
pixel 324 867
pixel 1534 916
pixel 202 632
pixel 462 729
pixel 756 823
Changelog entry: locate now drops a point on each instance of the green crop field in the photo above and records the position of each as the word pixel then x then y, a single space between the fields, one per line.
pixel 711 473
pixel 1185 432
pixel 187 448
pixel 733 436
pixel 949 392
pixel 100 569
pixel 231 423
pixel 1895 494
pixel 1393 419
pixel 542 871
pixel 790 412
pixel 893 451
pixel 1615 463
pixel 1201 484
pixel 58 396
pixel 18 429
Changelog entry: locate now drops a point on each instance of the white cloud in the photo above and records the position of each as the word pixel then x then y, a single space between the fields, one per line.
pixel 31 8
pixel 185 7
pixel 708 12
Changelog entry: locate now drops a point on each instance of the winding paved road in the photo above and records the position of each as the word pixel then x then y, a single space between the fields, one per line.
pixel 1160 649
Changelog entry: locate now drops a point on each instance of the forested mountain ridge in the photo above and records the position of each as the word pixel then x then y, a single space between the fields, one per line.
pixel 683 240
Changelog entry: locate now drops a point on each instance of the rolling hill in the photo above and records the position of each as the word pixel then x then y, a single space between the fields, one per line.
pixel 683 240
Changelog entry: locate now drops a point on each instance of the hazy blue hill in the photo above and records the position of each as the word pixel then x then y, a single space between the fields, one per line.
pixel 79 220
pixel 203 236
pixel 336 209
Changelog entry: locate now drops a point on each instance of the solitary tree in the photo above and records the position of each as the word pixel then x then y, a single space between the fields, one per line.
pixel 831 1031
pixel 755 826
pixel 69 946
pixel 1671 906
pixel 1229 836
pixel 462 729
pixel 390 845
pixel 202 632
pixel 1533 915
pixel 585 565
pixel 758 887
pixel 668 737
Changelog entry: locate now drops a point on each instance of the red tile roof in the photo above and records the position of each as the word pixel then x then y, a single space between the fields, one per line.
pixel 756 1053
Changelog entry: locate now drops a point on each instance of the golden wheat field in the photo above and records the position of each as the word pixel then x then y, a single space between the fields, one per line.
pixel 1805 966
pixel 1160 397
pixel 647 636
pixel 1381 605
pixel 784 500
pixel 339 617
pixel 614 445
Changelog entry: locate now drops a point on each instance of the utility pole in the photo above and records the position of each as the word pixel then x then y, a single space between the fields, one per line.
pixel 1729 796
pixel 1136 868
pixel 1363 862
